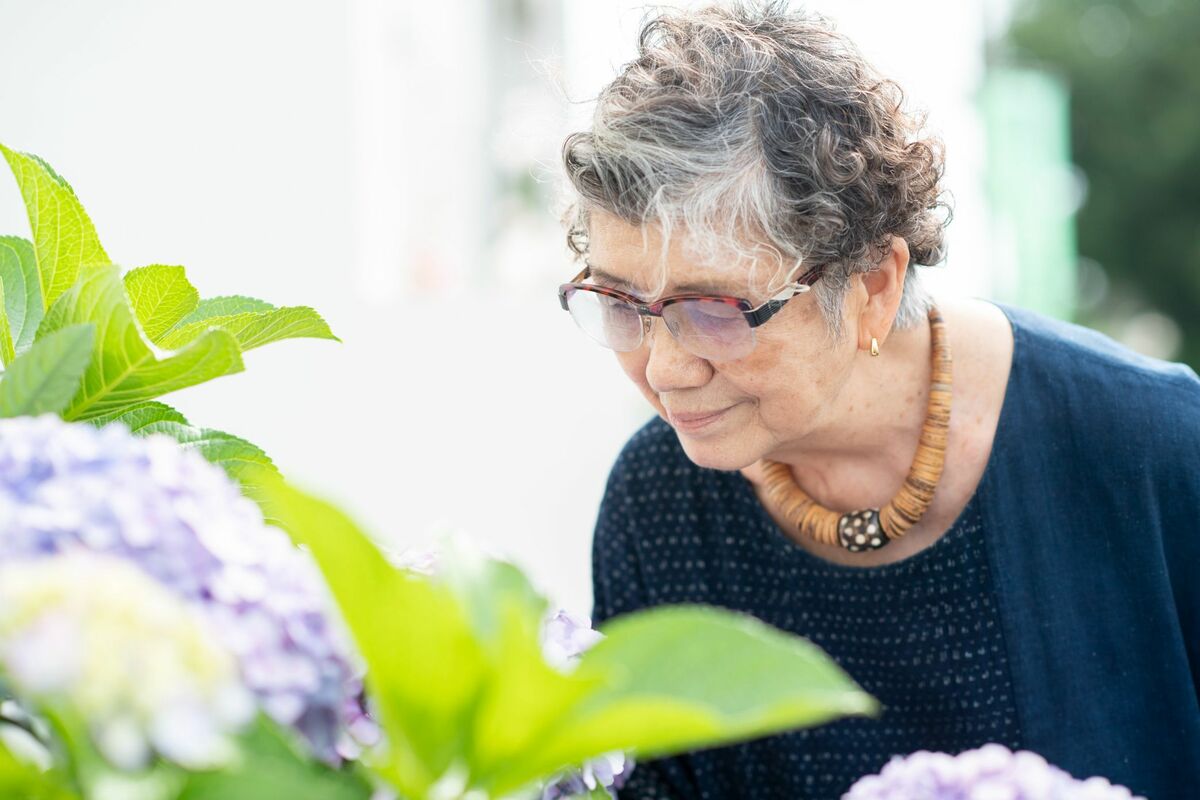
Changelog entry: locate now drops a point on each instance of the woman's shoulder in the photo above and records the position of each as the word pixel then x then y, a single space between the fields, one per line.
pixel 1050 348
pixel 1097 397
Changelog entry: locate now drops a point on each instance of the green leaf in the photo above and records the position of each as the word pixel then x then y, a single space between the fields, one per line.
pixel 225 307
pixel 425 667
pixel 238 457
pixel 271 766
pixel 242 461
pixel 47 376
pixel 255 328
pixel 22 290
pixel 686 677
pixel 93 775
pixel 124 370
pixel 64 240
pixel 161 296
pixel 7 351
pixel 19 779
pixel 137 417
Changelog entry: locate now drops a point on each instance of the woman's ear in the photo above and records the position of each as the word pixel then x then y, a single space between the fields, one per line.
pixel 885 287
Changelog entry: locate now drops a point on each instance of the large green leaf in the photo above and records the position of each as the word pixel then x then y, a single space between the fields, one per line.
pixel 124 370
pixel 161 296
pixel 255 328
pixel 425 667
pixel 270 766
pixel 64 240
pixel 680 678
pixel 664 681
pixel 46 377
pixel 22 290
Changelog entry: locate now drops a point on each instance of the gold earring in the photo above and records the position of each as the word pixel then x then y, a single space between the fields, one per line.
pixel 874 346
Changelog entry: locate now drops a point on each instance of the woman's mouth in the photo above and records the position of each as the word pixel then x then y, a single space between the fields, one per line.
pixel 695 421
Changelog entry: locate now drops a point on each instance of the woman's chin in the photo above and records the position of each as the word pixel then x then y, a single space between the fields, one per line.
pixel 724 452
pixel 723 443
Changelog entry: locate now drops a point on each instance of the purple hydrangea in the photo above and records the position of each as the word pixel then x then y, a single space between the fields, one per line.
pixel 606 772
pixel 70 487
pixel 564 638
pixel 992 772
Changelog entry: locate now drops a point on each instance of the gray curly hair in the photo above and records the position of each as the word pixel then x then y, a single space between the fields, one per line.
pixel 760 130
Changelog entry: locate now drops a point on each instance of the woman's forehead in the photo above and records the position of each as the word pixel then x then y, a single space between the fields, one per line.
pixel 633 258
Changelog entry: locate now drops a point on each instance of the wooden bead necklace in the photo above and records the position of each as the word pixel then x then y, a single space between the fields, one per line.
pixel 871 528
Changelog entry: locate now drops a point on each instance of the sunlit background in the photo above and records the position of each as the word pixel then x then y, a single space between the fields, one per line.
pixel 394 164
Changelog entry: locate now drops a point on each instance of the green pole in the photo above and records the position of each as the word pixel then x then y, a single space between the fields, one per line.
pixel 1029 187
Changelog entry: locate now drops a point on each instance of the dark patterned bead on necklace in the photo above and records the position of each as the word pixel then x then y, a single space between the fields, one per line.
pixel 860 530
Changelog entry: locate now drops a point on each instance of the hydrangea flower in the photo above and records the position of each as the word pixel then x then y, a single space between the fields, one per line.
pixel 70 487
pixel 992 771
pixel 608 772
pixel 95 635
pixel 564 638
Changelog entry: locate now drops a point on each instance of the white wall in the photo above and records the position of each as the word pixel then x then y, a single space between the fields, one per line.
pixel 340 155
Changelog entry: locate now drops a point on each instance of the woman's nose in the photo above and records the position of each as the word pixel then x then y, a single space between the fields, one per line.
pixel 669 367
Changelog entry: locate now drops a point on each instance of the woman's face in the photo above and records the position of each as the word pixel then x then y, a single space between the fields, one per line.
pixel 786 388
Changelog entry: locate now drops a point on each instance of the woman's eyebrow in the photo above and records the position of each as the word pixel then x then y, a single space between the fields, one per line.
pixel 615 282
pixel 607 277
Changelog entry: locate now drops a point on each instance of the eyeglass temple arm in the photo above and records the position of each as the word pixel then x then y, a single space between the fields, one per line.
pixel 562 296
pixel 768 309
pixel 810 277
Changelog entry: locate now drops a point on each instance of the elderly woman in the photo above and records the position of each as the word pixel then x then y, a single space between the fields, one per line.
pixel 987 517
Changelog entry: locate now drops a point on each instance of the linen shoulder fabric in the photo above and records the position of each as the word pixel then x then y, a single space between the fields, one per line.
pixel 1080 546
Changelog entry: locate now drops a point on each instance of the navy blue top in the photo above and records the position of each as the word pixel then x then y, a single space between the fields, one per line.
pixel 1060 613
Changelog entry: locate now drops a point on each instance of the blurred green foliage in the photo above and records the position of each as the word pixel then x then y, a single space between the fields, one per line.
pixel 1133 68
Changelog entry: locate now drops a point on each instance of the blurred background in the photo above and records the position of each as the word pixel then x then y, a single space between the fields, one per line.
pixel 394 164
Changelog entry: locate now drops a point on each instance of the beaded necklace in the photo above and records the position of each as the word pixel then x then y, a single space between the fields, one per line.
pixel 872 528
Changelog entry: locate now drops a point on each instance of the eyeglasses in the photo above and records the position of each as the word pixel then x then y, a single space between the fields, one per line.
pixel 713 327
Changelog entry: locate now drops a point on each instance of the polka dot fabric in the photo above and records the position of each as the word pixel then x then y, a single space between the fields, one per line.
pixel 922 635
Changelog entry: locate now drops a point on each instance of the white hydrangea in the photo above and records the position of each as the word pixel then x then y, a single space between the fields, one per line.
pixel 95 637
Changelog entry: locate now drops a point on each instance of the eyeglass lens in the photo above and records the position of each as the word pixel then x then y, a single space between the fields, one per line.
pixel 709 329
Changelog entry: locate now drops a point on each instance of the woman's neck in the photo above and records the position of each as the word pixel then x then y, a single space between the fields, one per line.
pixel 859 456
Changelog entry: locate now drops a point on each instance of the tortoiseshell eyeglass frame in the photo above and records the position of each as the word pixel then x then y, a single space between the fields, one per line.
pixel 754 315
